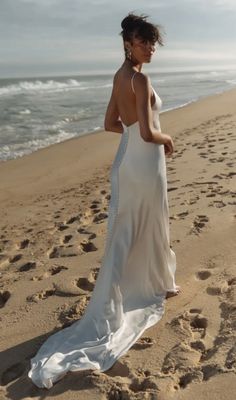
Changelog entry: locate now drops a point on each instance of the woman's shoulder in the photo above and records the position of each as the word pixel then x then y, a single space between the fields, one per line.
pixel 141 77
pixel 117 75
pixel 141 81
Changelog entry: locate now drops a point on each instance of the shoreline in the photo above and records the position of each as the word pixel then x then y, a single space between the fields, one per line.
pixel 50 165
pixel 88 133
pixel 53 213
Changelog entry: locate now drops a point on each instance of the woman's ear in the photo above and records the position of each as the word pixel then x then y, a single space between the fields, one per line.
pixel 127 45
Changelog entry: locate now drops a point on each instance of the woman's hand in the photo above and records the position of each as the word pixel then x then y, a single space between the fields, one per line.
pixel 168 144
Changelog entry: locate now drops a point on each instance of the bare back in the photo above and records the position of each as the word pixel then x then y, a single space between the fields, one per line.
pixel 124 93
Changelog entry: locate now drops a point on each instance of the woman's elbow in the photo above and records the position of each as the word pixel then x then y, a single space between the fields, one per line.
pixel 107 126
pixel 107 129
pixel 147 135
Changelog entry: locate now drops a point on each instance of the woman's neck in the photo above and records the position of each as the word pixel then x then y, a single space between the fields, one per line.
pixel 134 65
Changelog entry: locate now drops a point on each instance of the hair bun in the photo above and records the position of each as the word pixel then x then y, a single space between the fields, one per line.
pixel 138 26
pixel 128 21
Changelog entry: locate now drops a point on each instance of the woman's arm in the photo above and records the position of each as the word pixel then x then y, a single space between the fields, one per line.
pixel 111 121
pixel 148 132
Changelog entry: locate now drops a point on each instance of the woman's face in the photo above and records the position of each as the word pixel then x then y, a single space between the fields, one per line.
pixel 141 50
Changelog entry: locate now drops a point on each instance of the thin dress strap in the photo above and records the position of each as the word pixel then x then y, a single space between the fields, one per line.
pixel 132 84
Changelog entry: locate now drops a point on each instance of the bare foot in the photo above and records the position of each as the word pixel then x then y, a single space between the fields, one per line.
pixel 174 293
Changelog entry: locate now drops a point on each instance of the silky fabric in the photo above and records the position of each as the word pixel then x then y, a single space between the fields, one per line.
pixel 137 269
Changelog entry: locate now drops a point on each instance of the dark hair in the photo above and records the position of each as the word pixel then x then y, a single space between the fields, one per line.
pixel 137 26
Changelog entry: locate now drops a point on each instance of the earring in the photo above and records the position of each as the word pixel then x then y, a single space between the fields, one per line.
pixel 128 53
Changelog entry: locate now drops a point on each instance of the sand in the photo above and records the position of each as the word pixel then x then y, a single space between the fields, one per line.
pixel 53 218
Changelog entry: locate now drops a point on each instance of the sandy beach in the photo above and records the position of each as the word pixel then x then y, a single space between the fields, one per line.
pixel 53 218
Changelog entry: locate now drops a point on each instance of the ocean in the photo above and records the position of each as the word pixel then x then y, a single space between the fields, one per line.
pixel 37 112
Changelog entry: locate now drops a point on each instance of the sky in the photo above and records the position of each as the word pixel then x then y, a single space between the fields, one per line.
pixel 63 37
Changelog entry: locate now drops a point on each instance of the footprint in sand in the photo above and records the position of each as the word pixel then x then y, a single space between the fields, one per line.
pixel 84 231
pixel 218 176
pixel 119 369
pixel 61 226
pixel 4 261
pixel 230 174
pixel 95 206
pixel 209 194
pixel 92 236
pixel 218 290
pixel 27 266
pixel 123 382
pixel 232 281
pixel 173 181
pixel 215 160
pixel 218 203
pixel 95 203
pixel 192 200
pixel 230 361
pixel 199 374
pixel 99 218
pixel 170 189
pixel 195 376
pixel 62 251
pixel 57 214
pixel 43 295
pixel 103 193
pixel 184 363
pixel 94 274
pixel 16 258
pixel 4 297
pixel 60 289
pixel 67 315
pixel 87 218
pixel 223 192
pixel 54 270
pixel 12 373
pixel 213 262
pixel 223 351
pixel 203 155
pixel 143 343
pixel 87 284
pixel 66 239
pixel 198 325
pixel 142 386
pixel 86 246
pixel 232 203
pixel 73 219
pixel 198 223
pixel 203 275
pixel 29 230
pixel 182 357
pixel 181 215
pixel 190 325
pixel 24 243
pixel 84 284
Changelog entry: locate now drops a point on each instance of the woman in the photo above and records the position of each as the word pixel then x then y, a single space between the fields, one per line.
pixel 134 107
pixel 138 266
pixel 139 38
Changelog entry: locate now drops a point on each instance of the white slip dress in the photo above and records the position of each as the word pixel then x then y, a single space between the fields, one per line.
pixel 137 269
